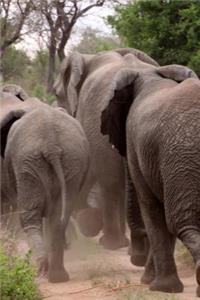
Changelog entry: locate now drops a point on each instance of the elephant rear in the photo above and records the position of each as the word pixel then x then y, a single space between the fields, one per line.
pixel 168 155
pixel 47 157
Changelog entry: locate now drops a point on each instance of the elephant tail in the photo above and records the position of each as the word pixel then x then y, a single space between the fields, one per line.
pixel 55 162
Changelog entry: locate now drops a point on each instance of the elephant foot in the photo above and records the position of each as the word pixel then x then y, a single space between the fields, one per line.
pixel 138 259
pixel 198 291
pixel 108 242
pixel 147 277
pixel 139 250
pixel 59 275
pixel 43 266
pixel 169 284
pixel 90 221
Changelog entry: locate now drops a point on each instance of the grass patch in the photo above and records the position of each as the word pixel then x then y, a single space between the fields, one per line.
pixel 144 295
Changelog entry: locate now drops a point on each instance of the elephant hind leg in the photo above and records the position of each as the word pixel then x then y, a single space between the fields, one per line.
pixel 31 206
pixel 161 240
pixel 183 214
pixel 113 235
pixel 162 243
pixel 56 231
pixel 139 246
pixel 56 241
pixel 56 271
pixel 149 272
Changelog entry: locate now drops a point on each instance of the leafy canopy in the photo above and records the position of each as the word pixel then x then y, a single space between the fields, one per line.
pixel 168 30
pixel 14 62
pixel 93 41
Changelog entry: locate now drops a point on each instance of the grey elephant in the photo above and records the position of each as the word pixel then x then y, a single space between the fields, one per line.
pixel 15 90
pixel 89 219
pixel 85 86
pixel 161 119
pixel 46 163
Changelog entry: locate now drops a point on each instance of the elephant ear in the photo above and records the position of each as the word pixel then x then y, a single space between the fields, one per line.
pixel 176 72
pixel 113 117
pixel 71 72
pixel 139 54
pixel 6 124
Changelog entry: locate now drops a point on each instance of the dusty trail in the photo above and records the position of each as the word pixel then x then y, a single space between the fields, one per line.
pixel 101 274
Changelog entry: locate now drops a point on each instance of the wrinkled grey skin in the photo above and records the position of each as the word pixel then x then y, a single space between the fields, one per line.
pixel 5 204
pixel 85 85
pixel 46 162
pixel 163 151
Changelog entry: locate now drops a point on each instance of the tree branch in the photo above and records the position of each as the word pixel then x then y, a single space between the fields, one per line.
pixel 84 10
pixel 5 19
pixel 7 41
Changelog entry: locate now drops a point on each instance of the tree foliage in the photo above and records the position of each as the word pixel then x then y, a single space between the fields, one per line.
pixel 14 63
pixel 168 30
pixel 93 42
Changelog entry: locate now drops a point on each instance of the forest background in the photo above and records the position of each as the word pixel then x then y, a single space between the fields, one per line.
pixel 168 30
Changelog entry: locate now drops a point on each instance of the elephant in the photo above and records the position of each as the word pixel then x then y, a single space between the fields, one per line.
pixel 84 87
pixel 5 204
pixel 15 90
pixel 89 219
pixel 46 163
pixel 157 128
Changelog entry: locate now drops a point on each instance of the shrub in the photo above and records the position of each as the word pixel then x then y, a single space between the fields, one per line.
pixel 17 278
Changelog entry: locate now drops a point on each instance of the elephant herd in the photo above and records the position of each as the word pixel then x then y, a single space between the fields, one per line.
pixel 122 123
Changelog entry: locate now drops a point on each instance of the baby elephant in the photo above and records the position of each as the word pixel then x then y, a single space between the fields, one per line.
pixel 46 159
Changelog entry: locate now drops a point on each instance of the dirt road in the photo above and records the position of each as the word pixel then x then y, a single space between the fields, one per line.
pixel 99 274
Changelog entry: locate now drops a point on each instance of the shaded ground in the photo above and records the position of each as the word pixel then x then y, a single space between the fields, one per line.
pixel 102 274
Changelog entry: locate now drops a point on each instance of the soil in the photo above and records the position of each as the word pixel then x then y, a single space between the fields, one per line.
pixel 96 273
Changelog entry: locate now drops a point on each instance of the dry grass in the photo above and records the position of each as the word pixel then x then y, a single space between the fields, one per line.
pixel 12 237
pixel 141 294
pixel 183 255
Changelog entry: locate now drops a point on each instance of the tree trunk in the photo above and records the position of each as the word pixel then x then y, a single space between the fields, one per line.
pixel 61 54
pixel 63 42
pixel 51 67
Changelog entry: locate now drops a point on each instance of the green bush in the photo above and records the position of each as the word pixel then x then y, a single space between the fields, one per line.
pixel 17 278
pixel 40 92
